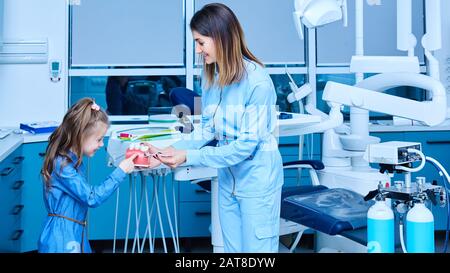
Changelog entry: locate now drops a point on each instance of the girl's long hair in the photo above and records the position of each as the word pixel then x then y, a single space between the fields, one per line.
pixel 77 123
pixel 218 22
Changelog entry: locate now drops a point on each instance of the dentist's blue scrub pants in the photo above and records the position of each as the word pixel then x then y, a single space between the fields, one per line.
pixel 257 218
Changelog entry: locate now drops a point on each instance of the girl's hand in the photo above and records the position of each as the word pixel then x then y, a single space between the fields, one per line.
pixel 127 165
pixel 172 158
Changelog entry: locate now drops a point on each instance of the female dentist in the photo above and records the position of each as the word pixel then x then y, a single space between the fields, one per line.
pixel 238 110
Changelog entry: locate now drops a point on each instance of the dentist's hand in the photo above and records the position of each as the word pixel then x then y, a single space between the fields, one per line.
pixel 172 158
pixel 154 162
pixel 153 150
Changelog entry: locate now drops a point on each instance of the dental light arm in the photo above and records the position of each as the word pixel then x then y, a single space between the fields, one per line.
pixel 432 40
pixel 332 120
pixel 429 112
pixel 304 91
pixel 406 40
pixel 298 93
pixel 315 13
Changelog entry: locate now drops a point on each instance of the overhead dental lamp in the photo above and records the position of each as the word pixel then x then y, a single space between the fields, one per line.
pixel 315 13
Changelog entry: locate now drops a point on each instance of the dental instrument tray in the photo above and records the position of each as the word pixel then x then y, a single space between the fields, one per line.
pixel 162 118
pixel 121 139
pixel 146 134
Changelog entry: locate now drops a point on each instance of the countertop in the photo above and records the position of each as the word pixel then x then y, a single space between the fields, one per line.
pixel 10 143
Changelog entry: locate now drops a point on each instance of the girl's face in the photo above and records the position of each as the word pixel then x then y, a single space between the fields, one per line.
pixel 94 141
pixel 205 45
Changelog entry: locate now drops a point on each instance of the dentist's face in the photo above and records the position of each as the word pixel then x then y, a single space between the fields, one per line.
pixel 204 45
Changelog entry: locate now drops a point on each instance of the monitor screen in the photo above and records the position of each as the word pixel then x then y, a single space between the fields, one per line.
pixel 55 65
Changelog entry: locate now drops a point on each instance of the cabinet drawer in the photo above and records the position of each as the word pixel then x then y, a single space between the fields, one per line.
pixel 288 149
pixel 292 149
pixel 291 158
pixel 311 143
pixel 195 219
pixel 193 193
pixel 293 181
pixel 10 172
pixel 11 240
pixel 11 213
pixel 10 191
pixel 437 145
pixel 293 173
pixel 10 196
pixel 11 232
pixel 389 136
pixel 15 158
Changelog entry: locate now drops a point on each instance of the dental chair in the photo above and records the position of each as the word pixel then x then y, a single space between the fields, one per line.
pixel 336 212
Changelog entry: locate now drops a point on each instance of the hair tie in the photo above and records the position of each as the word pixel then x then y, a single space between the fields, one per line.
pixel 95 106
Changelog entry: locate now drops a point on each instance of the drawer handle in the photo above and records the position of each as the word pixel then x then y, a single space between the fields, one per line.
pixel 17 209
pixel 17 234
pixel 438 141
pixel 42 154
pixel 202 213
pixel 201 191
pixel 6 171
pixel 18 184
pixel 18 160
pixel 295 145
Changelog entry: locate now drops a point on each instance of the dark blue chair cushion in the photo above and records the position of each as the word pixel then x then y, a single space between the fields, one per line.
pixel 341 210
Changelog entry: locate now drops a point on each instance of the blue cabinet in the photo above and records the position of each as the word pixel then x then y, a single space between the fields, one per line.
pixel 195 210
pixel 22 211
pixel 195 219
pixel 34 211
pixel 101 219
pixel 11 208
pixel 289 149
pixel 195 203
pixel 192 203
pixel 436 145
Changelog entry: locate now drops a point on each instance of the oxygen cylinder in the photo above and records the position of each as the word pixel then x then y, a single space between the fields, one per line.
pixel 380 229
pixel 420 230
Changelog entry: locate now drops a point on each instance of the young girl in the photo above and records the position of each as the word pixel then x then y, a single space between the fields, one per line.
pixel 67 194
pixel 238 110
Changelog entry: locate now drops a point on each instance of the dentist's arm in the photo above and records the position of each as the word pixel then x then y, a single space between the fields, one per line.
pixel 257 124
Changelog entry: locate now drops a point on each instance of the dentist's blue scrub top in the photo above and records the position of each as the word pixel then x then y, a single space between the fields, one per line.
pixel 242 117
pixel 70 196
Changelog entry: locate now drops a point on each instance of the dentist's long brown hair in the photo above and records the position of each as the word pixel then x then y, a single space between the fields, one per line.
pixel 218 22
pixel 77 124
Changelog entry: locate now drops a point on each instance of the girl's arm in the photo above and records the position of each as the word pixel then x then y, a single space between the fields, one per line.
pixel 75 184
